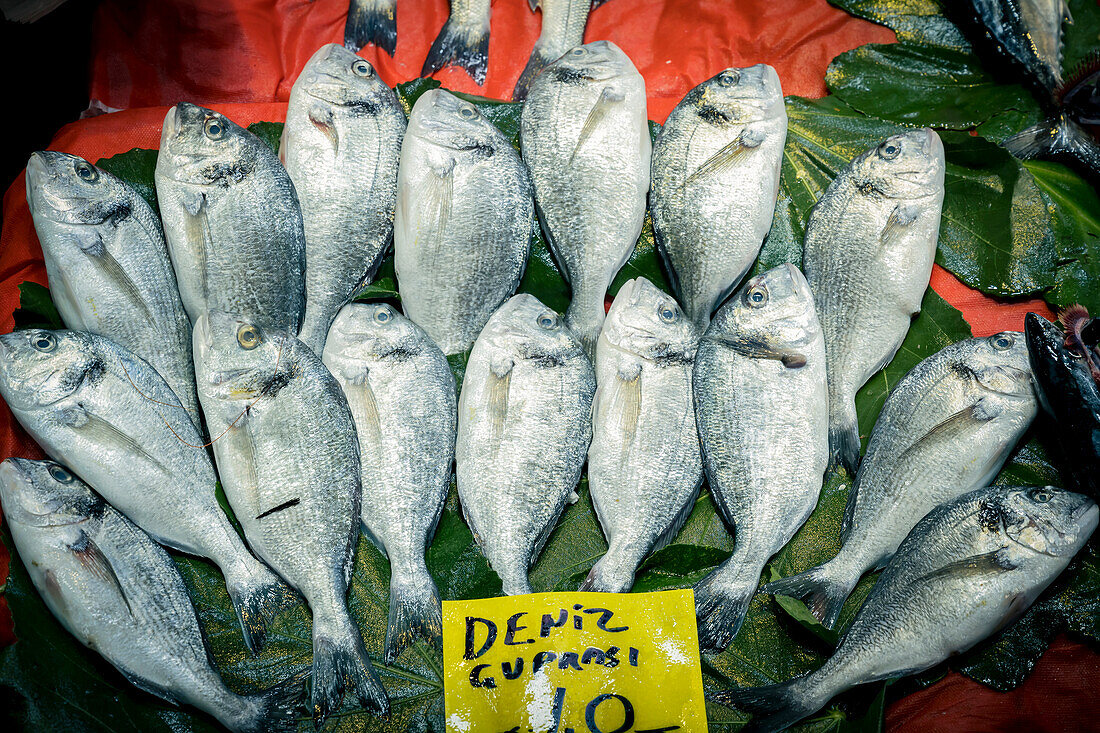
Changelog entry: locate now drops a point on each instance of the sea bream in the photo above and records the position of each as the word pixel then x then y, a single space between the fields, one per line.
pixel 563 23
pixel 371 21
pixel 463 40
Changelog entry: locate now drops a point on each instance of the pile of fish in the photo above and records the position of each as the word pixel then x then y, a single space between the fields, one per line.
pixel 218 341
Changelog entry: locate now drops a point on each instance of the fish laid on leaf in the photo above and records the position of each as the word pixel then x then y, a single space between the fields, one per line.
pixel 464 219
pixel 463 41
pixel 341 145
pixel 1026 32
pixel 644 465
pixel 108 265
pixel 760 402
pixel 715 174
pixel 523 430
pixel 231 218
pixel 119 593
pixel 585 138
pixel 946 429
pixel 967 570
pixel 107 414
pixel 563 23
pixel 371 21
pixel 870 244
pixel 402 396
pixel 288 457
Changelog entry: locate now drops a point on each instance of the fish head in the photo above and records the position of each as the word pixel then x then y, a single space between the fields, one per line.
pixel 525 329
pixel 368 333
pixel 999 364
pixel 444 121
pixel 44 494
pixel 39 368
pixel 647 322
pixel 589 63
pixel 69 190
pixel 1044 519
pixel 909 165
pixel 339 77
pixel 205 148
pixel 1060 366
pixel 738 95
pixel 237 359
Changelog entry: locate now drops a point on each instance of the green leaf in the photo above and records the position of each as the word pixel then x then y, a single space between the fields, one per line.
pixel 137 167
pixel 36 308
pixel 269 132
pixel 919 21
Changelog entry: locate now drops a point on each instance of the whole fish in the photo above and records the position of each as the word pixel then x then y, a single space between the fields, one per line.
pixel 760 402
pixel 289 462
pixel 105 412
pixel 1028 33
pixel 1066 369
pixel 644 467
pixel 715 177
pixel 968 569
pixel 402 396
pixel 231 218
pixel 870 243
pixel 463 40
pixel 341 145
pixel 120 594
pixel 523 429
pixel 585 138
pixel 108 265
pixel 946 429
pixel 563 24
pixel 371 21
pixel 464 219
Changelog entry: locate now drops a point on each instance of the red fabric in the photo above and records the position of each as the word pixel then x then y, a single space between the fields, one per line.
pixel 241 56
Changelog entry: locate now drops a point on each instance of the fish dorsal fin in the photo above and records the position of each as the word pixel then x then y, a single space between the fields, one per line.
pixel 609 97
pixel 93 246
pixel 988 563
pixel 727 155
pixel 321 117
pixel 92 559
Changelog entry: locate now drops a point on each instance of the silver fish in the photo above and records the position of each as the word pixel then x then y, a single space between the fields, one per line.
pixel 715 177
pixel 341 145
pixel 585 138
pixel 231 218
pixel 464 219
pixel 870 243
pixel 563 23
pixel 523 429
pixel 108 265
pixel 98 408
pixel 288 457
pixel 371 21
pixel 120 594
pixel 760 401
pixel 402 396
pixel 946 429
pixel 967 570
pixel 463 40
pixel 644 466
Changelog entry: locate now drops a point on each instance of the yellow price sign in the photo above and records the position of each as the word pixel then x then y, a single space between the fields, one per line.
pixel 573 663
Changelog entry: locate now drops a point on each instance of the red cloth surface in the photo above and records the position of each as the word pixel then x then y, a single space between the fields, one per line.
pixel 241 57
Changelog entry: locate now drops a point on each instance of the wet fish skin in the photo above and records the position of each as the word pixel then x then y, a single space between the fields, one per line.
pixel 97 407
pixel 760 402
pixel 644 464
pixel 563 23
pixel 402 396
pixel 585 138
pixel 341 145
pixel 108 265
pixel 288 458
pixel 870 243
pixel 715 180
pixel 1028 33
pixel 523 430
pixel 946 429
pixel 231 218
pixel 464 219
pixel 371 21
pixel 463 41
pixel 968 569
pixel 119 593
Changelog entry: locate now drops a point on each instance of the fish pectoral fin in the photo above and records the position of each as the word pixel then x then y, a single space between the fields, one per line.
pixel 321 117
pixel 92 559
pixel 900 218
pixel 364 407
pixel 193 202
pixel 355 373
pixel 197 234
pixel 438 193
pixel 114 273
pixel 989 563
pixel 609 97
pixel 952 427
pixel 106 435
pixel 499 384
pixel 727 155
pixel 762 348
pixel 626 400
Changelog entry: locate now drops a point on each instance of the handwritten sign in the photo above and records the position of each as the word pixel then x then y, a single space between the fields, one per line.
pixel 573 663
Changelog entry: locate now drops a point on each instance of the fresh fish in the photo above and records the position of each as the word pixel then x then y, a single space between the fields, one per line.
pixel 523 429
pixel 644 466
pixel 870 243
pixel 341 145
pixel 967 570
pixel 1060 138
pixel 715 177
pixel 231 218
pixel 464 219
pixel 946 429
pixel 586 140
pixel 371 21
pixel 402 396
pixel 563 24
pixel 286 449
pixel 463 41
pixel 1066 369
pixel 98 408
pixel 760 401
pixel 1026 32
pixel 119 593
pixel 108 265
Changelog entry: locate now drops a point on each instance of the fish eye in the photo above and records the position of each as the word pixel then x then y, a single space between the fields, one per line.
pixel 361 68
pixel 44 342
pixel 60 475
pixel 728 78
pixel 549 321
pixel 579 51
pixel 86 172
pixel 756 296
pixel 889 150
pixel 248 336
pixel 667 313
pixel 1040 495
pixel 383 315
pixel 467 113
pixel 214 128
pixel 1001 341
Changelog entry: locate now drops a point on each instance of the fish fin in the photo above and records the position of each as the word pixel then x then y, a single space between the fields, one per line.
pixel 197 234
pixel 678 521
pixel 365 408
pixel 727 155
pixel 989 563
pixel 239 440
pixel 146 686
pixel 275 710
pixel 823 594
pixel 321 118
pixel 460 45
pixel 104 434
pixel 534 4
pixel 536 62
pixel 756 348
pixel 608 99
pixel 339 662
pixel 439 194
pixel 848 519
pixel 897 223
pixel 773 707
pixel 500 380
pixel 950 428
pixel 92 245
pixel 256 597
pixel 844 443
pixel 721 605
pixel 626 400
pixel 95 562
pixel 371 23
pixel 597 3
pixel 415 611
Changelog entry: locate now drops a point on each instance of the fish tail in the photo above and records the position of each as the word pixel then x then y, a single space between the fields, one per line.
pixel 257 595
pixel 773 707
pixel 370 21
pixel 538 61
pixel 1034 142
pixel 341 663
pixel 460 45
pixel 274 709
pixel 585 317
pixel 844 437
pixel 612 574
pixel 820 589
pixel 415 610
pixel 721 601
